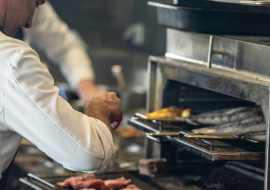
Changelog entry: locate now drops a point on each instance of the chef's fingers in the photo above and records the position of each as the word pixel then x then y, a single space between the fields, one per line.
pixel 115 115
pixel 115 125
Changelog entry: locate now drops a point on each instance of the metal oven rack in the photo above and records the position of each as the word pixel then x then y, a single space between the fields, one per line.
pixel 225 81
pixel 210 149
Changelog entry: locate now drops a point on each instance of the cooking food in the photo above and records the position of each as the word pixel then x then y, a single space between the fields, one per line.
pixel 89 182
pixel 129 187
pixel 250 125
pixel 152 167
pixel 72 181
pixel 169 113
pixel 225 116
pixel 116 183
pixel 257 136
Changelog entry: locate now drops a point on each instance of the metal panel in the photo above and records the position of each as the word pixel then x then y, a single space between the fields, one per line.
pixel 242 56
pixel 210 17
pixel 232 83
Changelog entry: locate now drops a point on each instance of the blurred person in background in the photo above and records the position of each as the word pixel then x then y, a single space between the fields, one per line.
pixel 63 47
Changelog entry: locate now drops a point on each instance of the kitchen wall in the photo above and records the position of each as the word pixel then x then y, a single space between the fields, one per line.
pixel 121 32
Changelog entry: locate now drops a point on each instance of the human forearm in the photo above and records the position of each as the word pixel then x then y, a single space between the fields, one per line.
pixel 49 122
pixel 86 89
pixel 98 111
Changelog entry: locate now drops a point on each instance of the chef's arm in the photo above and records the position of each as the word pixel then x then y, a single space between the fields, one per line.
pixel 77 141
pixel 63 48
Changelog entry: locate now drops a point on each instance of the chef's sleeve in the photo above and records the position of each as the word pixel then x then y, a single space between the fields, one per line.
pixel 34 110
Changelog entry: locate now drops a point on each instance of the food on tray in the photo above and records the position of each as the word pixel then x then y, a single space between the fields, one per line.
pixel 251 125
pixel 226 115
pixel 152 167
pixel 131 187
pixel 70 182
pixel 258 136
pixel 116 183
pixel 89 182
pixel 169 113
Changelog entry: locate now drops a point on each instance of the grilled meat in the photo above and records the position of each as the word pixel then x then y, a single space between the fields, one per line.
pixel 88 182
pixel 116 183
pixel 131 187
pixel 92 183
pixel 71 181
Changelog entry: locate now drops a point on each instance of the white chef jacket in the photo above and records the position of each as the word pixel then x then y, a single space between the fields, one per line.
pixel 30 107
pixel 60 45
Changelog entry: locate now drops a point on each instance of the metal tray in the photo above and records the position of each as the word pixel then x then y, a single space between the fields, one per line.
pixel 214 17
pixel 210 149
pixel 185 177
pixel 49 183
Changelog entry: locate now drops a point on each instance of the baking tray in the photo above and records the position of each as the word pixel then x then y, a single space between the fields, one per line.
pixel 215 18
pixel 210 149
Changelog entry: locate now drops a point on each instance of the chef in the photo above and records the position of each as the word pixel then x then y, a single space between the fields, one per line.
pixel 62 47
pixel 30 106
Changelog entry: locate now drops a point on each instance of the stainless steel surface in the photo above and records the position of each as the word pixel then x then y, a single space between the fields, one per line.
pixel 162 134
pixel 210 137
pixel 157 140
pixel 254 2
pixel 242 71
pixel 209 59
pixel 267 152
pixel 208 151
pixel 215 18
pixel 211 52
pixel 161 121
pixel 226 148
pixel 160 137
pixel 240 55
pixel 234 83
pixel 33 177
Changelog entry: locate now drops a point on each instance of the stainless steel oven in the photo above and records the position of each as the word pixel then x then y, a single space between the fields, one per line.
pixel 206 69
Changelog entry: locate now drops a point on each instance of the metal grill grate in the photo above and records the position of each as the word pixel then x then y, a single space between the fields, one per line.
pixel 186 177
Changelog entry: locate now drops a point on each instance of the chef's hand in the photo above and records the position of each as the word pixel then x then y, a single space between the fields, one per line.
pixel 86 89
pixel 106 107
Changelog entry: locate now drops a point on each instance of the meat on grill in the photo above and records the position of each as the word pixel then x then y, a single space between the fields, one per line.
pixel 131 187
pixel 88 182
pixel 70 181
pixel 116 183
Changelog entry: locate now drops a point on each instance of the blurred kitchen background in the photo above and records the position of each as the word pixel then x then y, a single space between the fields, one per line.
pixel 115 32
